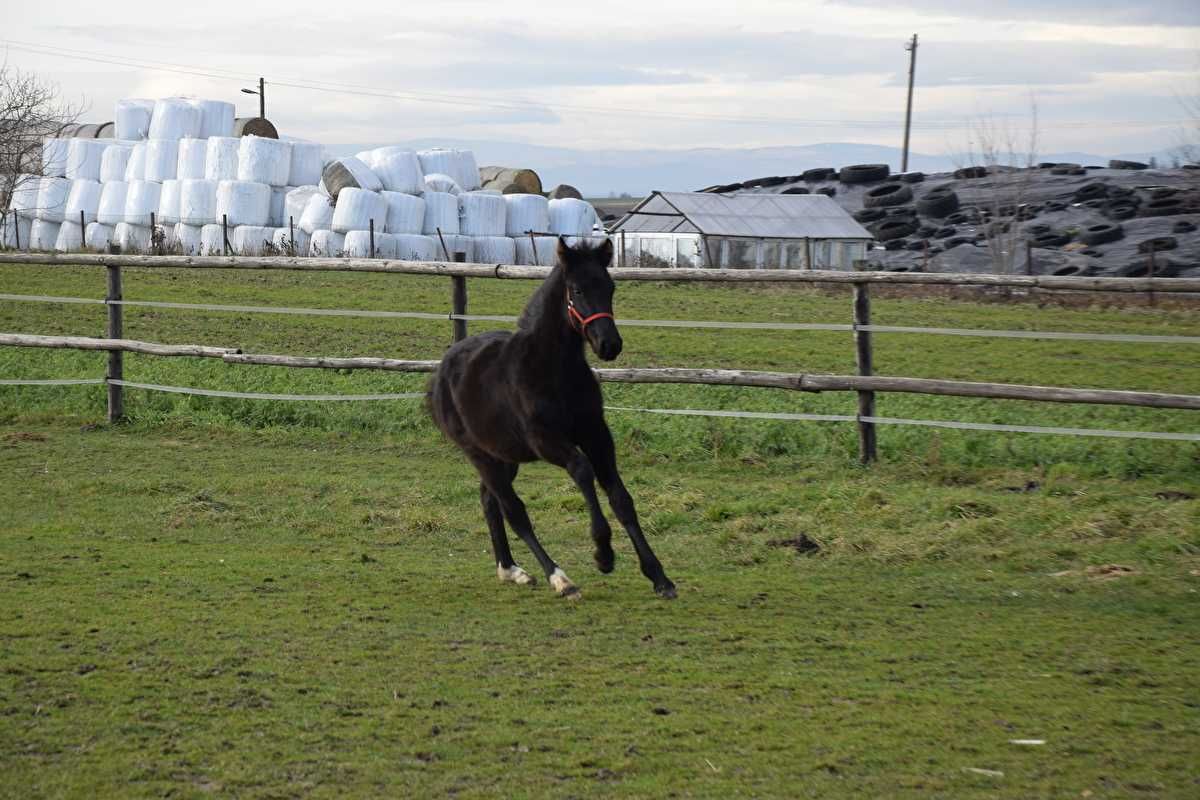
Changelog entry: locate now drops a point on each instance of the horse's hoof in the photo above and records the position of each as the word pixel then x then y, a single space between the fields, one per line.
pixel 666 591
pixel 514 574
pixel 605 561
pixel 562 585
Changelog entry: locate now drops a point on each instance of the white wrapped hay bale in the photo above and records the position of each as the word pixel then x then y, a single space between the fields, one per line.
pixel 174 118
pixel 212 240
pixel 538 251
pixel 357 244
pixel 112 203
pixel 84 197
pixel 24 197
pixel 135 167
pixel 439 182
pixel 193 159
pixel 318 214
pixel 526 212
pixel 405 212
pixel 70 238
pixel 399 170
pixel 454 243
pixel 307 159
pixel 131 118
pixel 140 202
pixel 113 162
pixel 276 216
pixel 493 250
pixel 216 118
pixel 43 235
pixel 54 157
pixel 84 157
pixel 286 245
pixel 162 159
pixel 198 202
pixel 481 214
pixel 348 173
pixel 221 159
pixel 251 240
pixel 355 208
pixel 168 203
pixel 132 238
pixel 98 237
pixel 571 217
pixel 411 247
pixel 458 164
pixel 188 239
pixel 296 201
pixel 263 160
pixel 441 213
pixel 15 232
pixel 326 243
pixel 243 203
pixel 52 199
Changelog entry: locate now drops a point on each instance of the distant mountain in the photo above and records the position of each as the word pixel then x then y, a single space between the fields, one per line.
pixel 600 173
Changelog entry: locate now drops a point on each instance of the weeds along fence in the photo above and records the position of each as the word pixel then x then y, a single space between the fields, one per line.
pixel 865 383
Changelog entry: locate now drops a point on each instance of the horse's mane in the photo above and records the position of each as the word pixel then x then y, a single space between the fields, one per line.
pixel 536 307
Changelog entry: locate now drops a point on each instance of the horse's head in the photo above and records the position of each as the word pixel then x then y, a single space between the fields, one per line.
pixel 590 295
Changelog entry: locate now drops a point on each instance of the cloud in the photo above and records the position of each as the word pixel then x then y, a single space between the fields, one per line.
pixel 1068 12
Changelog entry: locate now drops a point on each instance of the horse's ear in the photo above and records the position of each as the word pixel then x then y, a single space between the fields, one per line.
pixel 605 252
pixel 563 252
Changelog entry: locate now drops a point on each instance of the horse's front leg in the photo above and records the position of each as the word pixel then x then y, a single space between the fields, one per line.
pixel 564 454
pixel 602 455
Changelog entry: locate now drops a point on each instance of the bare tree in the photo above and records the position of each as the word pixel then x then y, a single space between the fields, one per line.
pixel 30 109
pixel 1009 153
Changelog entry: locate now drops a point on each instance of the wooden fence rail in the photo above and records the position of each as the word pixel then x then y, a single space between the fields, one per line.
pixel 866 384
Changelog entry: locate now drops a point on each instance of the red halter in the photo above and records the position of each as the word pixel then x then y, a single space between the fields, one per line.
pixel 576 318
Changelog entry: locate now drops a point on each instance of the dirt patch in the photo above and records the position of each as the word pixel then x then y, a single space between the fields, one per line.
pixel 12 439
pixel 800 543
pixel 1171 494
pixel 1099 572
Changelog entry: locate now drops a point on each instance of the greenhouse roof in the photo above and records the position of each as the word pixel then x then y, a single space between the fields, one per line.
pixel 766 216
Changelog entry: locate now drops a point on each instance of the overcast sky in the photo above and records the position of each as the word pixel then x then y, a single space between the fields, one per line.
pixel 1107 76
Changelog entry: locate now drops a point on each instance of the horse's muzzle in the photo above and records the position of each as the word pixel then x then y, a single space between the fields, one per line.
pixel 606 342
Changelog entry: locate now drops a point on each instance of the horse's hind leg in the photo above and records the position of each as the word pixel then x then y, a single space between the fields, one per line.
pixel 498 478
pixel 506 568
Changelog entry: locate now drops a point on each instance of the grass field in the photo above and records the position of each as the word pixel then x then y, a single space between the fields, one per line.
pixel 276 600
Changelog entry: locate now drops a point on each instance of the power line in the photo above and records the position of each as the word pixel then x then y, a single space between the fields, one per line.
pixel 519 104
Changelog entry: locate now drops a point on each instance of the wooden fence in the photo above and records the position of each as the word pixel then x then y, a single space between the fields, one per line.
pixel 865 383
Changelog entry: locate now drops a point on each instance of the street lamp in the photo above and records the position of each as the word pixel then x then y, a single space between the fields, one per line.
pixel 262 97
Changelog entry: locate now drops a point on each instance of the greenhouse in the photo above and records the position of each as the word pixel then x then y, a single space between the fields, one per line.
pixel 746 231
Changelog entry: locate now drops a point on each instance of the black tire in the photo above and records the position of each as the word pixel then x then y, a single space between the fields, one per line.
pixel 1183 226
pixel 1163 208
pixel 1072 270
pixel 828 191
pixel 1026 213
pixel 997 228
pixel 889 194
pixel 1064 169
pixel 864 173
pixel 1163 192
pixel 912 177
pixel 1037 229
pixel 777 180
pixel 796 190
pixel 945 233
pixel 917 245
pixel 1055 205
pixel 1117 163
pixel 1090 191
pixel 925 231
pixel 955 241
pixel 869 215
pixel 958 218
pixel 939 203
pixel 1051 240
pixel 1097 203
pixel 889 229
pixel 895 244
pixel 1091 252
pixel 967 173
pixel 1102 233
pixel 1047 165
pixel 1158 244
pixel 818 174
pixel 1119 210
pixel 1078 171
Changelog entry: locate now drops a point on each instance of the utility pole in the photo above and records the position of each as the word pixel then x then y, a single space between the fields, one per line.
pixel 262 97
pixel 911 47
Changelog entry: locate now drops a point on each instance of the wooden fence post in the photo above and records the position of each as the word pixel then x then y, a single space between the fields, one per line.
pixel 458 299
pixel 862 347
pixel 115 372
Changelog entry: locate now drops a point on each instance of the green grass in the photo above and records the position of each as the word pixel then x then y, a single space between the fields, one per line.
pixel 277 600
